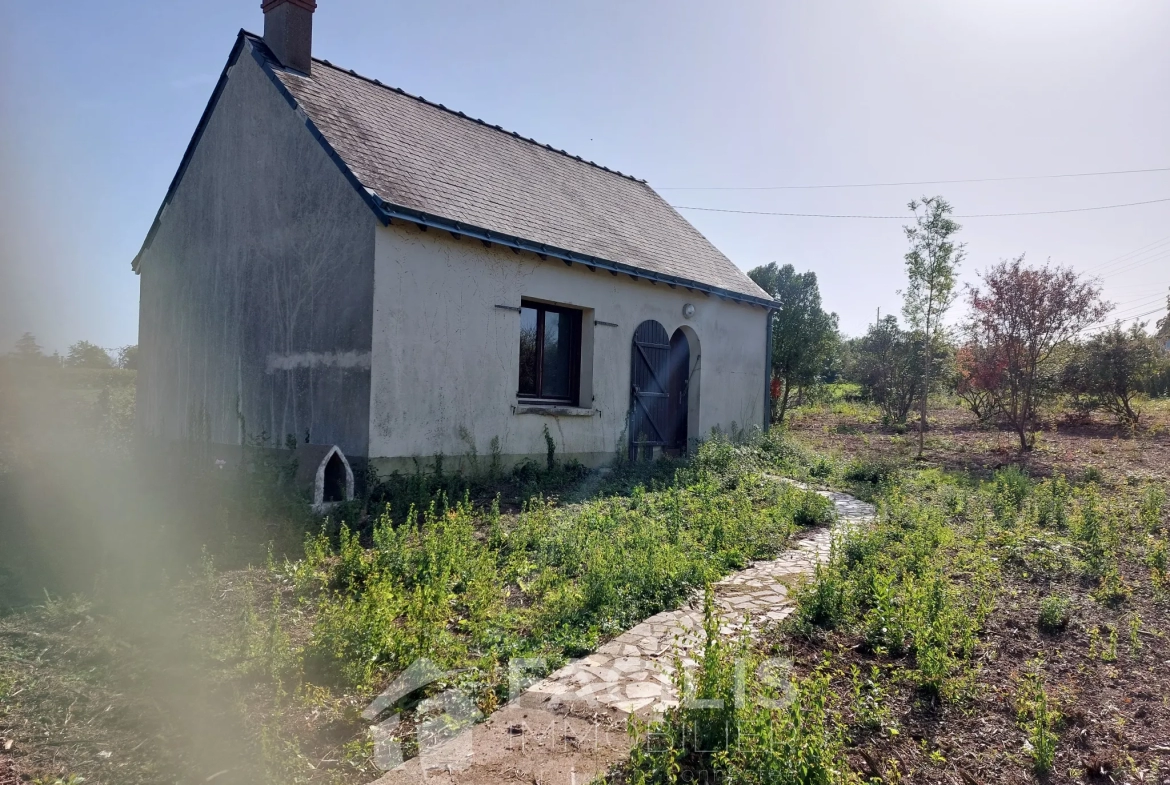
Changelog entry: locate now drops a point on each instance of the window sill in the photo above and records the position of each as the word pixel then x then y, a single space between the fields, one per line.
pixel 553 410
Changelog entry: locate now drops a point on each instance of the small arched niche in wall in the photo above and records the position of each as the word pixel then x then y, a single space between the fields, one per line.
pixel 325 469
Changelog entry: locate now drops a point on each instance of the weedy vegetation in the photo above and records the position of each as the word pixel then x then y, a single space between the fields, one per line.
pixel 995 623
pixel 989 629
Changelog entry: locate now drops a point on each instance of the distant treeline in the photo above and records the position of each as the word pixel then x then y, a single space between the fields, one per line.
pixel 1033 336
pixel 82 354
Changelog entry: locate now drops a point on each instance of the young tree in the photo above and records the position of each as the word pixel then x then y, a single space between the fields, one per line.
pixel 932 263
pixel 885 364
pixel 84 354
pixel 1111 369
pixel 977 373
pixel 1024 315
pixel 27 349
pixel 804 336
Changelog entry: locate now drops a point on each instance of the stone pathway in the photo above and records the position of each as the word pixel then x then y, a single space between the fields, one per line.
pixel 634 672
pixel 571 725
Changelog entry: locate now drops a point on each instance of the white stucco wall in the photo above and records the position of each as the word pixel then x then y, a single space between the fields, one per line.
pixel 445 360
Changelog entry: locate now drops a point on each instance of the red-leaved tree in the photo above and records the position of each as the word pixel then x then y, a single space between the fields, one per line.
pixel 977 376
pixel 1021 316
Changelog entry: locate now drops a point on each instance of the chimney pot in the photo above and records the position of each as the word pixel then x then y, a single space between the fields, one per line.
pixel 288 32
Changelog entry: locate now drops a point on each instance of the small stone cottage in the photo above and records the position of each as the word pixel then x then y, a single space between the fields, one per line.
pixel 342 264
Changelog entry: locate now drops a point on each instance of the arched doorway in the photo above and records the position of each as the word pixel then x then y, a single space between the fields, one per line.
pixel 679 365
pixel 688 422
pixel 663 399
pixel 649 424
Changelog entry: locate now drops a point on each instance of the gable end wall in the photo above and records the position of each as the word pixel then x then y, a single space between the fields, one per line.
pixel 256 288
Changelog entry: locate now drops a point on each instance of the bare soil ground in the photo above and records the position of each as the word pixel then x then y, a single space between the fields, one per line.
pixel 1108 669
pixel 8 773
pixel 98 696
pixel 1115 715
pixel 957 441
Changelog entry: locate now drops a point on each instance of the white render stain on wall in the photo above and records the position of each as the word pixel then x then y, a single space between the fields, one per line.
pixel 445 359
pixel 293 360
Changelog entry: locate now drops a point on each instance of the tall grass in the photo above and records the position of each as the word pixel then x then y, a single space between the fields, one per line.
pixel 743 720
pixel 471 588
pixel 894 585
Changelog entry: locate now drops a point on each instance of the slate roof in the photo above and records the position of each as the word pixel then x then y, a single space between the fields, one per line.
pixel 423 157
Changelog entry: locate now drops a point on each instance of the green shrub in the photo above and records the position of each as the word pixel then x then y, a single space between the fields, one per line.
pixel 812 509
pixel 821 468
pixel 1050 501
pixel 431 483
pixel 825 601
pixel 1095 526
pixel 870 708
pixel 468 587
pixel 1111 589
pixel 896 585
pixel 1054 612
pixel 1092 475
pixel 745 723
pixel 1012 486
pixel 872 471
pixel 404 598
pixel 1038 718
pixel 1158 560
pixel 1150 513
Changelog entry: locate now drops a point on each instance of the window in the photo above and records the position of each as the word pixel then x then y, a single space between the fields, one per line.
pixel 550 353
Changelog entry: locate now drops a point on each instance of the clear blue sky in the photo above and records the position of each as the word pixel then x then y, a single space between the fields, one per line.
pixel 98 101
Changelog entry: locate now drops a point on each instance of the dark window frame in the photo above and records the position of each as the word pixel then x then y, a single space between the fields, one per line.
pixel 575 317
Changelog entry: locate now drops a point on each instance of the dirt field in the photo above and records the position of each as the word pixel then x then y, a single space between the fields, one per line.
pixel 957 441
pixel 1108 670
pixel 72 696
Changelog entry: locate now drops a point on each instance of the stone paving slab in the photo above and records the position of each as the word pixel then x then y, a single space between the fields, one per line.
pixel 571 725
pixel 633 673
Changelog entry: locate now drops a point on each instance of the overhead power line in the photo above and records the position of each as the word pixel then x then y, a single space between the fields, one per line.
pixel 1123 320
pixel 1129 308
pixel 1129 256
pixel 1131 267
pixel 906 217
pixel 912 182
pixel 1143 301
pixel 1143 315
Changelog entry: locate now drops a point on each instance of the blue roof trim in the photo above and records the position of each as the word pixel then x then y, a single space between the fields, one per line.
pixel 189 153
pixel 265 63
pixel 519 243
pixel 386 211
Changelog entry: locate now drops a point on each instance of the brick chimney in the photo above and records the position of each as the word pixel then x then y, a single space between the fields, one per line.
pixel 288 31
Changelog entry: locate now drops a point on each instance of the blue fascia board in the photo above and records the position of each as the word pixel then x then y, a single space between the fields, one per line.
pixel 266 66
pixel 189 153
pixel 393 211
pixel 385 211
